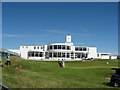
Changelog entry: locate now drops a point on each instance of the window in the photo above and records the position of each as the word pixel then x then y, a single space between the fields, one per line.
pixel 59 54
pixel 84 49
pixel 41 47
pixel 30 54
pixel 98 55
pixel 37 47
pixel 22 46
pixel 26 46
pixel 63 54
pixel 78 55
pixel 59 46
pixel 76 48
pixel 34 47
pixel 63 46
pixel 72 55
pixel 55 46
pixel 36 54
pixel 80 48
pixel 46 54
pixel 50 54
pixel 68 55
pixel 104 54
pixel 50 47
pixel 68 47
pixel 54 54
pixel 41 54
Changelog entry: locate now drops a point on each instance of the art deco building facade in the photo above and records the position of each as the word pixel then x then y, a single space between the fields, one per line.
pixel 55 51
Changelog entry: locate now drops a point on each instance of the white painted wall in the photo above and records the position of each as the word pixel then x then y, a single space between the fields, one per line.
pixel 68 38
pixel 92 53
pixel 15 50
pixel 113 57
pixel 105 57
pixel 25 49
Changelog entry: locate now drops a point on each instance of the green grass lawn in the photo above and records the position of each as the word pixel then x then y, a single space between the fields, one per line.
pixel 47 74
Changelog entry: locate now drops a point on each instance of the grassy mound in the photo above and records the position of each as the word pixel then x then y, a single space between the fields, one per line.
pixel 46 74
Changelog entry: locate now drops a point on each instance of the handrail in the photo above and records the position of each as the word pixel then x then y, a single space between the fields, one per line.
pixel 5 87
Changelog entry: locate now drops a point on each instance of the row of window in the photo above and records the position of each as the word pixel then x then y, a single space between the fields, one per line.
pixel 57 54
pixel 64 47
pixel 80 49
pixel 35 54
pixel 24 46
pixel 80 55
pixel 35 47
pixel 68 55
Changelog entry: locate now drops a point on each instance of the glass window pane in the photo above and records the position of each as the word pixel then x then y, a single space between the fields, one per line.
pixel 50 47
pixel 59 46
pixel 63 46
pixel 55 46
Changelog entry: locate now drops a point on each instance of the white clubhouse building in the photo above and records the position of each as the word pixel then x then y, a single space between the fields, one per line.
pixel 55 51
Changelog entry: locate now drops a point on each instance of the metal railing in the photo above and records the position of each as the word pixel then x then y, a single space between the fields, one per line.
pixel 8 52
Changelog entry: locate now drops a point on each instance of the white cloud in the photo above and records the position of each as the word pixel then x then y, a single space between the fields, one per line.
pixel 79 43
pixel 56 31
pixel 85 33
pixel 8 35
pixel 16 35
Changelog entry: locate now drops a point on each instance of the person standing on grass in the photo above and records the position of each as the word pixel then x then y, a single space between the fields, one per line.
pixel 0 58
pixel 107 62
pixel 59 62
pixel 63 62
pixel 8 60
